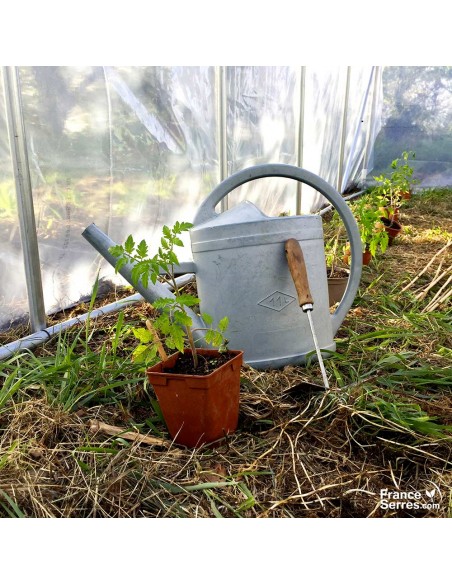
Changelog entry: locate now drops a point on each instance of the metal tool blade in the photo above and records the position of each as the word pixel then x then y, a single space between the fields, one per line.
pixel 317 350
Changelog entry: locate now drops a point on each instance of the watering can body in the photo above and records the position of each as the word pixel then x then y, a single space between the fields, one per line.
pixel 242 272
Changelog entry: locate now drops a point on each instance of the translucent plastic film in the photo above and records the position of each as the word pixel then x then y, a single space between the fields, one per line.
pixel 129 149
pixel 263 106
pixel 134 148
pixel 417 116
pixel 13 288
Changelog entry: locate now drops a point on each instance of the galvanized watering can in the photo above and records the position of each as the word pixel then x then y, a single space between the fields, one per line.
pixel 242 272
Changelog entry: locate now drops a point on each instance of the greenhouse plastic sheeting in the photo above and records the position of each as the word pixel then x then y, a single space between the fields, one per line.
pixel 134 148
pixel 417 116
pixel 13 289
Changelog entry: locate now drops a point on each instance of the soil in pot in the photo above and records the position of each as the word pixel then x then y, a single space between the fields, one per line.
pixel 206 364
pixel 203 407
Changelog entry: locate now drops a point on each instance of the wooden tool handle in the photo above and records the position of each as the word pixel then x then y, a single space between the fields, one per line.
pixel 297 267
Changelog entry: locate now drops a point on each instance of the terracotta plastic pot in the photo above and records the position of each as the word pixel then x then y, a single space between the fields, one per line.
pixel 336 288
pixel 367 256
pixel 393 228
pixel 198 408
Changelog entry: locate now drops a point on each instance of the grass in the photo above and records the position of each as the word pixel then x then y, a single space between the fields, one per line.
pixel 386 422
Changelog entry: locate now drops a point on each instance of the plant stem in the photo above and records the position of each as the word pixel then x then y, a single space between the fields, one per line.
pixel 336 242
pixel 191 342
pixel 190 338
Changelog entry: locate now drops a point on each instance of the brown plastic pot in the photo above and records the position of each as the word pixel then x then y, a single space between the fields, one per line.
pixel 393 228
pixel 367 256
pixel 336 288
pixel 198 408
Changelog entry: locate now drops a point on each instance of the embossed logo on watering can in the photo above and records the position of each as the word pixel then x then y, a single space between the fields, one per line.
pixel 277 300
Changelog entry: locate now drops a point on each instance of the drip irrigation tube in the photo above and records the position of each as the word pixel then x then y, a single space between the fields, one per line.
pixel 34 340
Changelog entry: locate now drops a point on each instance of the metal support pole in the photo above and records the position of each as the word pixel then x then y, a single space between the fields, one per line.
pixel 340 174
pixel 220 82
pixel 300 142
pixel 19 155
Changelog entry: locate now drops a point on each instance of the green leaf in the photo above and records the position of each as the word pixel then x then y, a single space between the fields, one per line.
pixel 178 242
pixel 223 324
pixel 163 324
pixel 175 337
pixel 144 353
pixel 207 318
pixel 143 335
pixel 116 250
pixel 182 318
pixel 184 226
pixel 120 264
pixel 172 257
pixel 129 244
pixel 188 300
pixel 142 249
pixel 164 303
pixel 166 231
pixel 135 274
pixel 210 337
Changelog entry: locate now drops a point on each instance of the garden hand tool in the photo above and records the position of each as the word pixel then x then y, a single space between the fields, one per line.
pixel 297 267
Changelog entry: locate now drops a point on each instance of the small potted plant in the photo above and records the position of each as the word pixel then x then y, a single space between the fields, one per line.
pixel 337 273
pixel 395 188
pixel 373 233
pixel 401 176
pixel 197 388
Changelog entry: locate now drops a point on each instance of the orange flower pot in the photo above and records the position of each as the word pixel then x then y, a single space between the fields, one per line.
pixel 393 228
pixel 367 256
pixel 198 408
pixel 336 286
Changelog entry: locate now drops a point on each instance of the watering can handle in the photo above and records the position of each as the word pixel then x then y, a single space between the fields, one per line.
pixel 207 211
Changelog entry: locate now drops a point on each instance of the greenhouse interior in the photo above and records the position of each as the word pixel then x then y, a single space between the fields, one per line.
pixel 208 212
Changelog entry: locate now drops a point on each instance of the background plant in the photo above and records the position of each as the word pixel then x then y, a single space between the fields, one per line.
pixel 391 187
pixel 367 214
pixel 402 172
pixel 335 238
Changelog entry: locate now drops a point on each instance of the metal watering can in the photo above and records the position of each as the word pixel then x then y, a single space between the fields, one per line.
pixel 242 272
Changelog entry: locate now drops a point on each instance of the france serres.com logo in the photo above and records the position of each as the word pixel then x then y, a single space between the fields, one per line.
pixel 411 500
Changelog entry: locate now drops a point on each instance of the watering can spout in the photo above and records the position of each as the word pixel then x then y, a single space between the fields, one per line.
pixel 102 243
